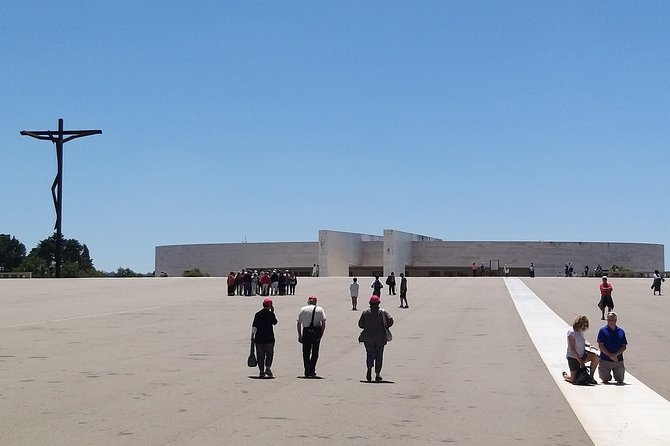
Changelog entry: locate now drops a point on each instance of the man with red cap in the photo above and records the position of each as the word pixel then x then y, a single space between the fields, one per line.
pixel 311 326
pixel 262 334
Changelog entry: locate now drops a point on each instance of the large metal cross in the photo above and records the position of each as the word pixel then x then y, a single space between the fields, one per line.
pixel 59 138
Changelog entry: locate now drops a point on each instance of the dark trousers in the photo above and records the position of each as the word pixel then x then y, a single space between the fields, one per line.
pixel 265 354
pixel 310 354
pixel 374 356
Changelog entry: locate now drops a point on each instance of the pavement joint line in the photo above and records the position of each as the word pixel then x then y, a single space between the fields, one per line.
pixel 610 414
pixel 113 313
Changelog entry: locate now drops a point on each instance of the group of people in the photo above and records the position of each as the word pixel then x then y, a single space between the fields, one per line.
pixel 611 339
pixel 377 289
pixel 253 283
pixel 311 326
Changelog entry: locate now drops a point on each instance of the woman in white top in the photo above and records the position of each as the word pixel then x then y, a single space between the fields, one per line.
pixel 577 354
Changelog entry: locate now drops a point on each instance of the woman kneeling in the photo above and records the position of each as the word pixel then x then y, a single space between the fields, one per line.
pixel 577 355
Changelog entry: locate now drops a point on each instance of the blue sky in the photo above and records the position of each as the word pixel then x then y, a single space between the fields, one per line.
pixel 269 120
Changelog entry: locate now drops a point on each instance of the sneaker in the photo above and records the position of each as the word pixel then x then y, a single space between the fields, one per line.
pixel 261 374
pixel 268 373
pixel 378 378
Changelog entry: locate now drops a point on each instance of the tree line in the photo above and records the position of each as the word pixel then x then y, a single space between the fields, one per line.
pixel 76 259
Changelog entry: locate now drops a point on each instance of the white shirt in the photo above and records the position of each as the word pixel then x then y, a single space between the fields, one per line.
pixel 305 316
pixel 580 344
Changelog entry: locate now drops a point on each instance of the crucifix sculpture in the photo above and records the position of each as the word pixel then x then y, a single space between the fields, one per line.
pixel 59 138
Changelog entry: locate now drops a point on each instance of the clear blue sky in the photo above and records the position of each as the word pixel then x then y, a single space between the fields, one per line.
pixel 270 120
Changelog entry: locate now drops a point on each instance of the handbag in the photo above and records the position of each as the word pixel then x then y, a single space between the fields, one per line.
pixel 389 335
pixel 583 377
pixel 251 360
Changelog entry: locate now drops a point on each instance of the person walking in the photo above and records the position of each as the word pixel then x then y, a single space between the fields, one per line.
pixel 262 334
pixel 311 326
pixel 612 343
pixel 605 297
pixel 656 285
pixel 374 321
pixel 353 291
pixel 403 290
pixel 390 281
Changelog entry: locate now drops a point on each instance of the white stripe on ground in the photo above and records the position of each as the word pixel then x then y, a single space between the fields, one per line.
pixel 611 414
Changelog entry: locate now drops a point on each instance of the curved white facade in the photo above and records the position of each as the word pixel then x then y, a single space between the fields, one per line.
pixel 341 253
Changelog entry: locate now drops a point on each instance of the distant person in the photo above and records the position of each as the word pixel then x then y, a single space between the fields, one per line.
pixel 586 271
pixel 262 334
pixel 311 326
pixel 656 285
pixel 599 271
pixel 390 281
pixel 531 270
pixel 577 355
pixel 605 297
pixel 506 270
pixel 265 283
pixel 274 283
pixel 612 342
pixel 374 321
pixel 231 283
pixel 282 282
pixel 314 271
pixel 377 287
pixel 403 290
pixel 318 270
pixel 292 282
pixel 474 269
pixel 353 291
pixel 482 269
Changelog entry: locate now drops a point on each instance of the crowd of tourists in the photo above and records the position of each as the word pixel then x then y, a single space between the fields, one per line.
pixel 266 283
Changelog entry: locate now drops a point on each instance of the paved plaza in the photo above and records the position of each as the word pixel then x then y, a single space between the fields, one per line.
pixel 162 361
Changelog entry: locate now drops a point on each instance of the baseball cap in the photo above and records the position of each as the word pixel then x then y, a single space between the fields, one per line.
pixel 267 302
pixel 375 299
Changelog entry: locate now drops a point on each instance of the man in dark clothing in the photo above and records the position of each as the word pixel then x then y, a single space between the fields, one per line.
pixel 262 334
pixel 377 287
pixel 390 281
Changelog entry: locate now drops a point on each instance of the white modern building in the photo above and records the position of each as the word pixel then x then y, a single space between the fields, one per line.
pixel 351 254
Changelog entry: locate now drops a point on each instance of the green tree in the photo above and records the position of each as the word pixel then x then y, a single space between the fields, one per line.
pixel 195 272
pixel 12 252
pixel 76 259
pixel 36 265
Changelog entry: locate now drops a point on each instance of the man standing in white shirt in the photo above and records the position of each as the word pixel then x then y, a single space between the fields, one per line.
pixel 353 290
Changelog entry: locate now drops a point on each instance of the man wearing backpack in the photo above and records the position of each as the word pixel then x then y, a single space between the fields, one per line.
pixel 377 287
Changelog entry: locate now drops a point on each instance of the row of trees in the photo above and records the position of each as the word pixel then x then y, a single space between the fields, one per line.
pixel 40 261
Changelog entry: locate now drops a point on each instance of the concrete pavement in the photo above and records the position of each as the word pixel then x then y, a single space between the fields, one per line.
pixel 163 361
